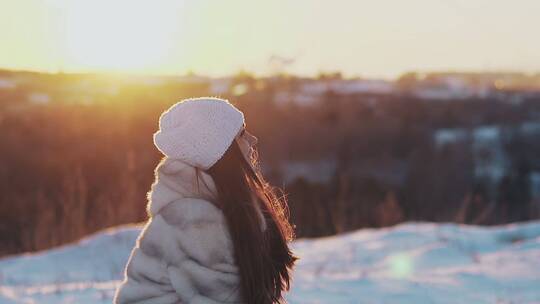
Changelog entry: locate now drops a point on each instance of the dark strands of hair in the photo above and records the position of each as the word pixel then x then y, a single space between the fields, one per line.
pixel 263 258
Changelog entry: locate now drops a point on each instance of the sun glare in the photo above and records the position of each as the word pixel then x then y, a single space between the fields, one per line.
pixel 119 35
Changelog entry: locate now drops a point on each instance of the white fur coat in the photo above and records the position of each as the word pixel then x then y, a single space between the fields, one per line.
pixel 184 253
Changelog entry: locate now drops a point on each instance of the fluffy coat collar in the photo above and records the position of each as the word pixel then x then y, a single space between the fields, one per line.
pixel 176 179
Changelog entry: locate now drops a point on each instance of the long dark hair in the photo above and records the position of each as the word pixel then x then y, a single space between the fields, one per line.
pixel 263 258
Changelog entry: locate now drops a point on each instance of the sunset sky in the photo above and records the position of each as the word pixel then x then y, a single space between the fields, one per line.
pixel 373 38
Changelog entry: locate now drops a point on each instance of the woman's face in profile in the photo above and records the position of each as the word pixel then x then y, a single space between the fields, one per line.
pixel 247 142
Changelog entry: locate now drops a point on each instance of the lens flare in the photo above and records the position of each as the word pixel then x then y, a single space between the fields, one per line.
pixel 401 265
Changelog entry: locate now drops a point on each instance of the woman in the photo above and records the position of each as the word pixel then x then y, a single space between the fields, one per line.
pixel 217 232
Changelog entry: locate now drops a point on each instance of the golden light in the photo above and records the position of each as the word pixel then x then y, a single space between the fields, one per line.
pixel 240 89
pixel 120 34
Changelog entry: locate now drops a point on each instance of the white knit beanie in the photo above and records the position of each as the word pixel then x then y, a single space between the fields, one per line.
pixel 198 131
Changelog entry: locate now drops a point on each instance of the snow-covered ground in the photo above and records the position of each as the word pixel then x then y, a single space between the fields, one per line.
pixel 409 263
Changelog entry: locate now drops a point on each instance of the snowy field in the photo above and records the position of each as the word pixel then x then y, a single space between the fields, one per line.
pixel 409 263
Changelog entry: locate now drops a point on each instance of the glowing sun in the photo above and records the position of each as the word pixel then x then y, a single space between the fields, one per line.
pixel 120 34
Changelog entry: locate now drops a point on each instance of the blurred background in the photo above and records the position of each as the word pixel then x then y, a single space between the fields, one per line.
pixel 368 113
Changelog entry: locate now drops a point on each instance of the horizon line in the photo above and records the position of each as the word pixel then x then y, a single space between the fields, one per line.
pixel 124 73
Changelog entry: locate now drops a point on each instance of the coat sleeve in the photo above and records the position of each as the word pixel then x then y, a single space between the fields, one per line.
pixel 184 255
pixel 145 275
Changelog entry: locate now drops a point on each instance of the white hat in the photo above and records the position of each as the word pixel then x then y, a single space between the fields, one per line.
pixel 198 130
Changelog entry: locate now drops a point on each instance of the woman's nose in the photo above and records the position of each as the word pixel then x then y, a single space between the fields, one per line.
pixel 251 139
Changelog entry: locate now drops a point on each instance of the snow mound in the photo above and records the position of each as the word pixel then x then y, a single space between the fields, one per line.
pixel 408 263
